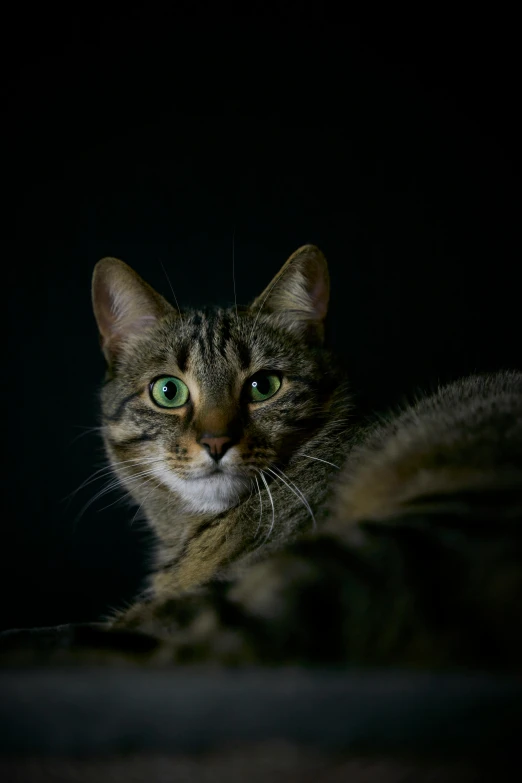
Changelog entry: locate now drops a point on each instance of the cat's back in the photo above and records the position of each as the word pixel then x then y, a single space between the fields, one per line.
pixel 464 438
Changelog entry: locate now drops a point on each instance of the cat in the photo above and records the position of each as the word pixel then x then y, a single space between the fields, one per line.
pixel 291 533
pixel 288 530
pixel 225 425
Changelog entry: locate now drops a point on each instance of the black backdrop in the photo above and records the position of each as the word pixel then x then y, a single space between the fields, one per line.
pixel 392 145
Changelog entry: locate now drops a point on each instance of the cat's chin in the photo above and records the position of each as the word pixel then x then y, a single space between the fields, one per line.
pixel 211 494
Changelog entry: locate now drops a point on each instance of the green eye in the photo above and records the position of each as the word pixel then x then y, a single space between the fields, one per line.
pixel 169 392
pixel 262 386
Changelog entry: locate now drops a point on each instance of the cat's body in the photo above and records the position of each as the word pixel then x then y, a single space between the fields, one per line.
pixel 464 439
pixel 286 529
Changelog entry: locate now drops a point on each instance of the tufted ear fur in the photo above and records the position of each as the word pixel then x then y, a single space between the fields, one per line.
pixel 124 304
pixel 298 295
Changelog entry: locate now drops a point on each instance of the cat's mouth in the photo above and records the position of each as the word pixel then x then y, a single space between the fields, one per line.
pixel 213 471
pixel 214 490
pixel 208 488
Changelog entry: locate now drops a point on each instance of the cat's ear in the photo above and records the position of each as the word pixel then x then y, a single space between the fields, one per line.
pixel 124 305
pixel 299 292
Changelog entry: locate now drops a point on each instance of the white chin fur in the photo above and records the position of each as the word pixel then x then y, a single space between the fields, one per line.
pixel 211 494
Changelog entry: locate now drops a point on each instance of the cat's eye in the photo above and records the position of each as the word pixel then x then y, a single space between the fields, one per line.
pixel 169 392
pixel 262 386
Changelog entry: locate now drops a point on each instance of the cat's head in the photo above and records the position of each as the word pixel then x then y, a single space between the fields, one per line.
pixel 199 402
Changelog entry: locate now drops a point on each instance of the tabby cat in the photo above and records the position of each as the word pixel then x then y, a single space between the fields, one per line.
pixel 224 425
pixel 287 530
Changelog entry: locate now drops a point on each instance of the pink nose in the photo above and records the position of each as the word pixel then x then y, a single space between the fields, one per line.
pixel 216 446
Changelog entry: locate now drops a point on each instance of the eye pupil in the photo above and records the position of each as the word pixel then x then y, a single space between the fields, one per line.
pixel 170 390
pixel 263 386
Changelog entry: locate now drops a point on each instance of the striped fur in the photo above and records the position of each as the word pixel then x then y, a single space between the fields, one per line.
pixel 399 541
pixel 267 491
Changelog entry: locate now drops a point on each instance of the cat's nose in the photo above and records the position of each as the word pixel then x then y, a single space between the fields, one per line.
pixel 216 446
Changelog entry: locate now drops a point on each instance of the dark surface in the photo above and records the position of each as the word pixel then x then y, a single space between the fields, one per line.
pixel 108 711
pixel 394 146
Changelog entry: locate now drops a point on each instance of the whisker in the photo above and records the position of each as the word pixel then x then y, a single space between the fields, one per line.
pixel 117 483
pixel 107 469
pixel 295 489
pixel 260 506
pixel 173 294
pixel 271 501
pixel 87 431
pixel 251 485
pixel 118 500
pixel 101 493
pixel 125 497
pixel 300 454
pixel 144 499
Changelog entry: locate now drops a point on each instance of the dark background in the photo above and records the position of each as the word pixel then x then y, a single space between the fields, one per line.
pixel 393 145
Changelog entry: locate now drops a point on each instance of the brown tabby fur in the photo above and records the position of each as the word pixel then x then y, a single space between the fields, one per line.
pixel 410 554
pixel 316 539
pixel 215 352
